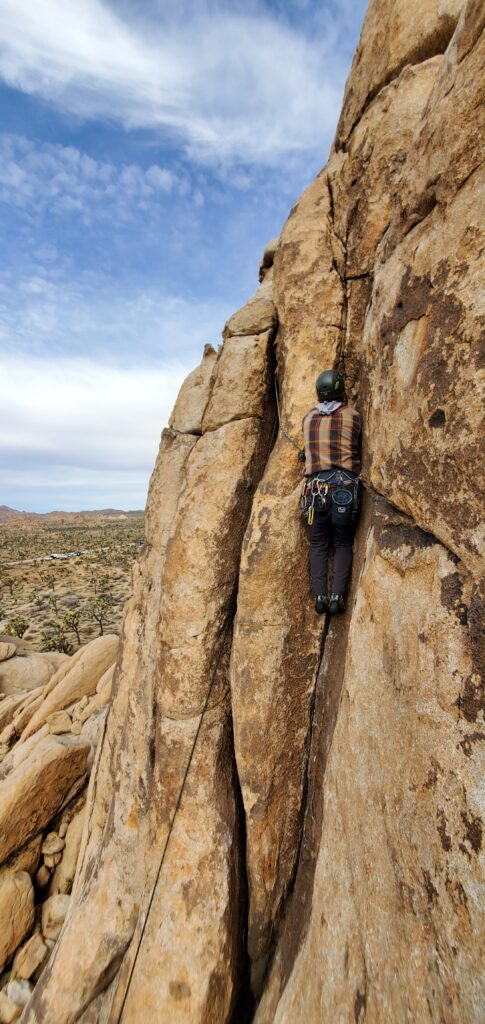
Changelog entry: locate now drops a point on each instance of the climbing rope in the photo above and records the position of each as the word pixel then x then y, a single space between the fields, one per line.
pixel 117 1018
pixel 283 431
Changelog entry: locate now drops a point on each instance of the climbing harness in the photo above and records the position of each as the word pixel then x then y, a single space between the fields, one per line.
pixel 115 1017
pixel 334 492
pixel 301 452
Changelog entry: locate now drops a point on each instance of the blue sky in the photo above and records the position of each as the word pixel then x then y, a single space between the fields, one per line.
pixel 148 151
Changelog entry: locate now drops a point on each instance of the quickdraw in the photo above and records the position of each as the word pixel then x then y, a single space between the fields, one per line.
pixel 314 489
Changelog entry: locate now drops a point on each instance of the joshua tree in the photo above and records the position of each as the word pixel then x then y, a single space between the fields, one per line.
pixel 36 599
pixel 99 584
pixel 71 621
pixel 8 581
pixel 99 609
pixel 55 639
pixel 53 600
pixel 49 578
pixel 17 626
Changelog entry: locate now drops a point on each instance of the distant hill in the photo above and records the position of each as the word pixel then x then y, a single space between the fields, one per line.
pixel 11 514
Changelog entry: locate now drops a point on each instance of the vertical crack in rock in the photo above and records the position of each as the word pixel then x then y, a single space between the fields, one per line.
pixel 276 636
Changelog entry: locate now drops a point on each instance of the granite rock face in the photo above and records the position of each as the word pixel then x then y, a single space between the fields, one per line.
pixel 284 820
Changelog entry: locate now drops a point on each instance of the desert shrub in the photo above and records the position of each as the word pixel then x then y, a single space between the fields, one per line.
pixel 17 626
pixel 71 622
pixel 55 638
pixel 100 608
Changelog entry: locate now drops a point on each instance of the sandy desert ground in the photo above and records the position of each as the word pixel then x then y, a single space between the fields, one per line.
pixel 65 577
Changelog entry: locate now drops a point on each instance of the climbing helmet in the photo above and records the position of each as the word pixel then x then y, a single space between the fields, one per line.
pixel 330 386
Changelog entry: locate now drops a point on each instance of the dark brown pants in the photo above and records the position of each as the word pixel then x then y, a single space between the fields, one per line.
pixel 322 532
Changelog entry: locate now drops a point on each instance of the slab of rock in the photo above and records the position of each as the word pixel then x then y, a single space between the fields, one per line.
pixel 200 886
pixel 7 651
pixel 26 859
pixel 194 395
pixel 20 752
pixel 268 257
pixel 59 722
pixel 365 181
pixel 423 318
pixel 26 710
pixel 63 876
pixel 393 861
pixel 16 912
pixel 81 679
pixel 29 957
pixel 52 844
pixel 21 674
pixel 32 793
pixel 9 1011
pixel 54 911
pixel 395 33
pixel 242 380
pixel 8 708
pixel 257 315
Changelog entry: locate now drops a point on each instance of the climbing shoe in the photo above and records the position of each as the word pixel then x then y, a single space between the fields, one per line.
pixel 321 604
pixel 336 604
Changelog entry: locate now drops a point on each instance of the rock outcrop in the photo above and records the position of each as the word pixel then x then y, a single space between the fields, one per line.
pixel 43 779
pixel 284 820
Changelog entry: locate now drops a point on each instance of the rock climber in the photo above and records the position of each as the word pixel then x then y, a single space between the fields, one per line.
pixel 330 496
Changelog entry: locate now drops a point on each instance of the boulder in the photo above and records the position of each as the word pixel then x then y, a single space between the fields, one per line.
pixel 59 722
pixel 20 751
pixel 54 911
pixel 85 671
pixel 63 876
pixel 257 315
pixel 9 1011
pixel 32 793
pixel 194 395
pixel 268 257
pixel 19 992
pixel 16 912
pixel 21 674
pixel 7 651
pixel 29 957
pixel 25 859
pixel 52 844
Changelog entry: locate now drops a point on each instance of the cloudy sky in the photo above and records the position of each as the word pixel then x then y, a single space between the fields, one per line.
pixel 148 151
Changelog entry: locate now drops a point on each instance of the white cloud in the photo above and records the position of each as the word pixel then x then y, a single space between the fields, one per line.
pixel 233 85
pixel 74 431
pixel 49 313
pixel 63 179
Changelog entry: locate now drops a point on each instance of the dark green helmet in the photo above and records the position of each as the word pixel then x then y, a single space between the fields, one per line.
pixel 330 386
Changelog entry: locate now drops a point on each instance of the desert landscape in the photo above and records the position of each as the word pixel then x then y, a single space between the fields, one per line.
pixel 65 577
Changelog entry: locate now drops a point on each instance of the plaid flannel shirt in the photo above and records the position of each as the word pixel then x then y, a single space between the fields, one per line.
pixel 331 441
